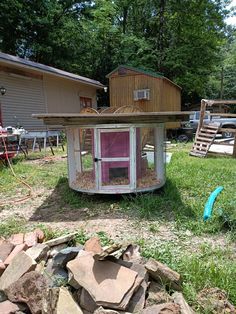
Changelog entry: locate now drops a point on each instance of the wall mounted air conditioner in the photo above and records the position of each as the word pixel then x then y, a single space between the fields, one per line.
pixel 142 94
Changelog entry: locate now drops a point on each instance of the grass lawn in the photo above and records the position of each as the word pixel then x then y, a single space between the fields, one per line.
pixel 167 224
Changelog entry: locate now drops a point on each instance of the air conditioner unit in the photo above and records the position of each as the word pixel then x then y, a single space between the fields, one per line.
pixel 142 94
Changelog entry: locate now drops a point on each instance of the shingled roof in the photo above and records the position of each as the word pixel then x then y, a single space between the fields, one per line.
pixel 9 59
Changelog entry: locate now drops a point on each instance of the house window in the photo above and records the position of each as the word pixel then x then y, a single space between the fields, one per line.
pixel 141 94
pixel 85 102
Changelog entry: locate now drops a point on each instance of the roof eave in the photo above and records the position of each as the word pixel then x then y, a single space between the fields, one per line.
pixel 139 70
pixel 25 66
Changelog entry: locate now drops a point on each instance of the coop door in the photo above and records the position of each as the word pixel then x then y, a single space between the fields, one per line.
pixel 114 151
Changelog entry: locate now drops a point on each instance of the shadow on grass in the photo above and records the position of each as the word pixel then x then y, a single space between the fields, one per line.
pixel 64 204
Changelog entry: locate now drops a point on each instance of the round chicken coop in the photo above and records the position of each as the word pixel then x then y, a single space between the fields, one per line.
pixel 115 153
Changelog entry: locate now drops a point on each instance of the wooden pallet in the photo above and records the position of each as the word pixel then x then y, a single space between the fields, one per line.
pixel 203 140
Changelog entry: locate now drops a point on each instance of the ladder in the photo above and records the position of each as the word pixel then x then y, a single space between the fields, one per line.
pixel 205 136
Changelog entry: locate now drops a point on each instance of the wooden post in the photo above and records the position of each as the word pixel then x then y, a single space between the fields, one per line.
pixel 202 114
pixel 234 148
pixel 159 153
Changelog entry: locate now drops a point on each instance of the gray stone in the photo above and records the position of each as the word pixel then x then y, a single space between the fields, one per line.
pixel 3 296
pixel 157 294
pixel 38 252
pixel 56 249
pixel 179 299
pixel 66 255
pixel 21 264
pixel 28 289
pixel 55 275
pixel 137 302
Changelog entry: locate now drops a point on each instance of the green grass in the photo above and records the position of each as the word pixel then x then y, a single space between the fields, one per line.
pixel 180 202
pixel 203 269
pixel 190 181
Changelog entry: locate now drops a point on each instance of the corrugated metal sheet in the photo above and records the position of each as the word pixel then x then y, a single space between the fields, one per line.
pixel 24 96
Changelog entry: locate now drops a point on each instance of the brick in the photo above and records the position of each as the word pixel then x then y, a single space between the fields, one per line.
pixel 5 249
pixel 40 235
pixel 14 252
pixel 31 239
pixel 17 239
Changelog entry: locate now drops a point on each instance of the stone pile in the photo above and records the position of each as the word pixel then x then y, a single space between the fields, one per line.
pixel 53 277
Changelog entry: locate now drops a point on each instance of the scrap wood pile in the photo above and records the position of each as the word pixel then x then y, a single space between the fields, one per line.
pixel 53 277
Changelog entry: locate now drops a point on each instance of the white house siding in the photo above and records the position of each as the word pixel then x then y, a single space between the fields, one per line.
pixel 24 96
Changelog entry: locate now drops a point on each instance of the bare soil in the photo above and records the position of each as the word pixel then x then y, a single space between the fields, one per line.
pixel 43 207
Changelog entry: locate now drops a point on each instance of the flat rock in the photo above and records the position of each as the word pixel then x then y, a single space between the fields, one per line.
pixel 93 245
pixel 5 249
pixel 163 274
pixel 165 308
pixel 184 307
pixel 28 289
pixel 21 264
pixel 60 301
pixel 8 307
pixel 17 239
pixel 106 282
pixel 66 303
pixel 66 255
pixel 31 239
pixel 157 295
pixel 38 252
pixel 17 249
pixel 107 251
pixel 63 239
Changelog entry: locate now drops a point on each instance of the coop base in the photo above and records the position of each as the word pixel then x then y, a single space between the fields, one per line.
pixel 120 191
pixel 85 183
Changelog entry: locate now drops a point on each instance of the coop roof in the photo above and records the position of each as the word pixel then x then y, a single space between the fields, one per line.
pixel 66 119
pixel 9 59
pixel 143 71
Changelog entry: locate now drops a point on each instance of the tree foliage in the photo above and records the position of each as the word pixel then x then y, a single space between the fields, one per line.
pixel 184 39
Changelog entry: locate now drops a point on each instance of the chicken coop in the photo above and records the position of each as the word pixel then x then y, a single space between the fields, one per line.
pixel 125 153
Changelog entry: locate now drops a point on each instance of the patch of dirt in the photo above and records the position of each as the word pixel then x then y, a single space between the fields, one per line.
pixel 44 207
